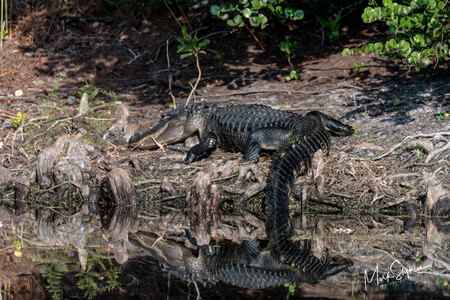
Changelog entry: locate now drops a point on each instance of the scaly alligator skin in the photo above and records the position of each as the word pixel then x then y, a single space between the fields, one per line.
pixel 243 128
pixel 248 129
pixel 243 265
pixel 292 161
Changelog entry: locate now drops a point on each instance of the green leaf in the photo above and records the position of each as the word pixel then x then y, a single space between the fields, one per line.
pixel 215 10
pixel 346 52
pixel 289 12
pixel 204 42
pixel 322 22
pixel 299 14
pixel 231 23
pixel 237 19
pixel 279 10
pixel 378 47
pixel 186 55
pixel 247 13
pixel 185 34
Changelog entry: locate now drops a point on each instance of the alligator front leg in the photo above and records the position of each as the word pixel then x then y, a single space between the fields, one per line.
pixel 205 146
pixel 264 138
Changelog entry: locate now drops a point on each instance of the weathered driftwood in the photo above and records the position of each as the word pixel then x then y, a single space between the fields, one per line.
pixel 203 199
pixel 65 163
pixel 117 187
pixel 435 189
pixel 21 189
pixel 5 177
pixel 167 186
pixel 119 199
pixel 115 132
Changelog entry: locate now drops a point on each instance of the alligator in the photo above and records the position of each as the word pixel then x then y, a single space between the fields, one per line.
pixel 243 128
pixel 249 129
pixel 244 265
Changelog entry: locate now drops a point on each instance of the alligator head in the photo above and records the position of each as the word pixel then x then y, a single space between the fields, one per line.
pixel 175 126
pixel 169 254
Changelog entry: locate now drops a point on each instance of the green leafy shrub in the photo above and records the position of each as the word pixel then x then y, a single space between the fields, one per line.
pixel 333 25
pixel 288 47
pixel 420 26
pixel 256 12
pixel 192 46
pixel 292 76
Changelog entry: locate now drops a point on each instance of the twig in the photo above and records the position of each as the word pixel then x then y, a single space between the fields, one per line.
pixel 401 200
pixel 198 80
pixel 170 75
pixel 402 175
pixel 283 91
pixel 409 138
pixel 315 68
pixel 186 18
pixel 163 80
pixel 176 20
pixel 170 198
pixel 254 37
pixel 434 153
pixel 135 56
pixel 57 186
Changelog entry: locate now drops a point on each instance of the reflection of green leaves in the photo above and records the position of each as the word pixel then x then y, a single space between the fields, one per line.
pixel 93 282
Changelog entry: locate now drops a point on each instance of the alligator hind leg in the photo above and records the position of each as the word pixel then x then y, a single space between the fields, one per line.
pixel 201 149
pixel 264 138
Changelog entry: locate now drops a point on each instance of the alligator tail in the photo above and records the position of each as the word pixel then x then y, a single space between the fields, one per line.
pixel 294 160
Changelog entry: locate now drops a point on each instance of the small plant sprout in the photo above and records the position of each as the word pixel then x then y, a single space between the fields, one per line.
pixel 356 130
pixel 333 25
pixel 291 288
pixel 288 47
pixel 440 116
pixel 292 76
pixel 396 101
pixel 19 120
pixel 189 47
pixel 220 57
pixel 358 66
pixel 419 152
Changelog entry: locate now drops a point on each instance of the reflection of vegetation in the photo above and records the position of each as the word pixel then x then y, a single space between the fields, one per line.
pixel 53 271
pixel 100 274
pixel 87 278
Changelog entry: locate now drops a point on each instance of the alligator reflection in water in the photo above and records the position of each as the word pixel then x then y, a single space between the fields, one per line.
pixel 429 243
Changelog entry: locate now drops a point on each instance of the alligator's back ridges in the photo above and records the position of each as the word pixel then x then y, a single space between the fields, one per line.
pixel 292 161
pixel 235 123
pixel 243 265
